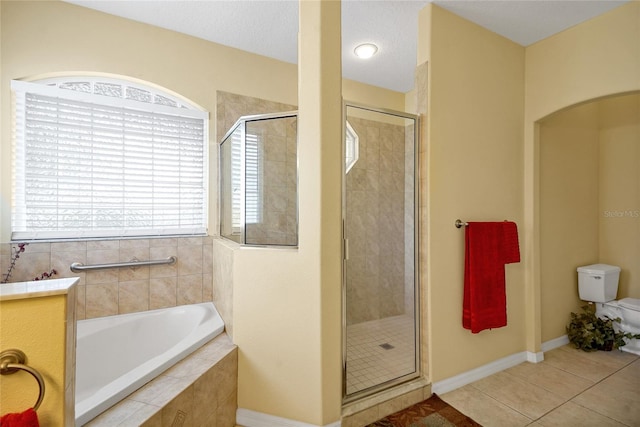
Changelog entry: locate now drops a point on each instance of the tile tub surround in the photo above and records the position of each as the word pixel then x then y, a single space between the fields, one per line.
pixel 125 290
pixel 200 390
pixel 569 388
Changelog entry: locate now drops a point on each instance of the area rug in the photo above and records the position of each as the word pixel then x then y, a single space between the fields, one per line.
pixel 433 412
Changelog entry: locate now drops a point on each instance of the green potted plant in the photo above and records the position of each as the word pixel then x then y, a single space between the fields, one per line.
pixel 589 332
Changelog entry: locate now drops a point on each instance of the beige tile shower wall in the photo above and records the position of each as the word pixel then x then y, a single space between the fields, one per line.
pixel 277 144
pixel 125 290
pixel 409 219
pixel 230 107
pixel 375 223
pixel 279 141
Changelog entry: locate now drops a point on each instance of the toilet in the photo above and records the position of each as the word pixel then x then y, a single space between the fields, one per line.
pixel 598 283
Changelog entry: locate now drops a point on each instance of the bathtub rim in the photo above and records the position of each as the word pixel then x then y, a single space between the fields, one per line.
pixel 113 392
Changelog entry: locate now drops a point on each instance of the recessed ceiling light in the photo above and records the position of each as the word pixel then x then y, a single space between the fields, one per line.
pixel 366 50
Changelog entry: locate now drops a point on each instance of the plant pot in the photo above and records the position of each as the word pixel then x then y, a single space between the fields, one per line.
pixel 607 346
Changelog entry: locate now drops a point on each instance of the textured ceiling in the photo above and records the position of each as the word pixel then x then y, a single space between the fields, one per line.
pixel 269 27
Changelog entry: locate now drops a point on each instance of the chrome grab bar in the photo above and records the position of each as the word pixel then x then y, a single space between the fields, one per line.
pixel 13 360
pixel 78 267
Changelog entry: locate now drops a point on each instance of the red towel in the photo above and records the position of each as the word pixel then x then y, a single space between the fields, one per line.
pixel 28 418
pixel 488 247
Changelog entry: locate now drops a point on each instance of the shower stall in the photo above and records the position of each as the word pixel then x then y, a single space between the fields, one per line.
pixel 259 180
pixel 259 206
pixel 380 280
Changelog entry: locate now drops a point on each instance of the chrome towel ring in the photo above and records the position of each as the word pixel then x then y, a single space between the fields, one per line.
pixel 12 361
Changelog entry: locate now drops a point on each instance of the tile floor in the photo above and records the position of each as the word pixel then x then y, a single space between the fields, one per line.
pixel 569 388
pixel 379 351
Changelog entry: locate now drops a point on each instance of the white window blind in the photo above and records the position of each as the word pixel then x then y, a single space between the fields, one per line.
pixel 88 165
pixel 236 181
pixel 253 180
pixel 252 196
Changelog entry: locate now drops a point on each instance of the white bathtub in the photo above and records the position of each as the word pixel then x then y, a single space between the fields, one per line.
pixel 116 355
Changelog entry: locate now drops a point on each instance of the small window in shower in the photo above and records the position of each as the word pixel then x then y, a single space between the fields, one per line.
pixel 352 143
pixel 258 181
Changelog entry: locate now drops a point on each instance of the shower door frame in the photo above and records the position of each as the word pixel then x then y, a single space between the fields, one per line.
pixel 353 397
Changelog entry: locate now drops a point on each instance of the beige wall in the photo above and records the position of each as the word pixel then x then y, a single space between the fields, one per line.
pixel 475 87
pixel 287 302
pixel 568 211
pixel 619 178
pixel 373 96
pixel 598 58
pixel 589 201
pixel 484 163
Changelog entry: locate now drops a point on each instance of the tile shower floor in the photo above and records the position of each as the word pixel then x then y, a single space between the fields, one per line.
pixel 379 351
pixel 569 388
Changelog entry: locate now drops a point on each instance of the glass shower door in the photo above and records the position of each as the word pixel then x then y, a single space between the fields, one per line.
pixel 380 290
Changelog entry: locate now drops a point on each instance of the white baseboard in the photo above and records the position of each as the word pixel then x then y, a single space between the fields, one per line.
pixel 555 343
pixel 535 357
pixel 476 374
pixel 249 418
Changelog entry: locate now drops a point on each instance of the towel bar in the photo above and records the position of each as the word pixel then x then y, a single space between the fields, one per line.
pixel 460 223
pixel 13 360
pixel 77 267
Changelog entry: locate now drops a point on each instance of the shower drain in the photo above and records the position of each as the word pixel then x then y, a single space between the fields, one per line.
pixel 387 346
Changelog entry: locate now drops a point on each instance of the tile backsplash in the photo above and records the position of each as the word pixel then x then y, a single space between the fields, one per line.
pixel 122 290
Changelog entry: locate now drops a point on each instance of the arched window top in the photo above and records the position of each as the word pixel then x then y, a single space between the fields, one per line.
pixel 122 88
pixel 103 157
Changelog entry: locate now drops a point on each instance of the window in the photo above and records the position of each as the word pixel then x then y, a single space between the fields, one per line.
pixel 351 148
pixel 104 157
pixel 252 197
pixel 253 179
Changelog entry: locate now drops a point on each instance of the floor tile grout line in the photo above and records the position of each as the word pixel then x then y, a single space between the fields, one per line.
pixel 599 363
pixel 598 412
pixel 504 404
pixel 595 384
pixel 565 400
pixel 525 380
pixel 584 391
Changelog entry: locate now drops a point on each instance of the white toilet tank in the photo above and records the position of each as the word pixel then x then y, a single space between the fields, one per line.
pixel 598 282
